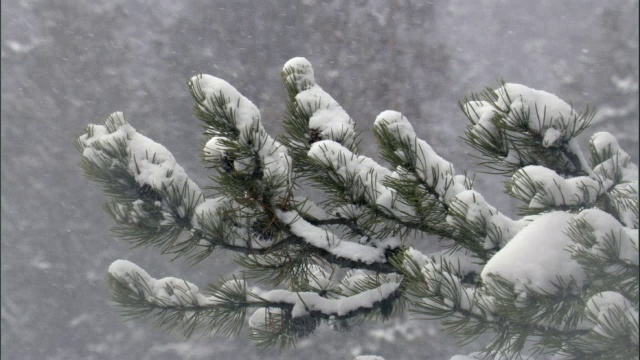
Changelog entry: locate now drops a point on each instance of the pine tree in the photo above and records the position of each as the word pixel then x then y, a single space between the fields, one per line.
pixel 562 278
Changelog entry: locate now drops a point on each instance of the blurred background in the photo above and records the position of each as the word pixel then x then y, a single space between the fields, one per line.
pixel 69 63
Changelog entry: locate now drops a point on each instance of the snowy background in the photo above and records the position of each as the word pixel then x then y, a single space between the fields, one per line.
pixel 69 63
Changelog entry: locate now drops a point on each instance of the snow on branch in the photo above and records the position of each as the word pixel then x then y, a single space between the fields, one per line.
pixel 358 178
pixel 563 277
pixel 221 221
pixel 308 302
pixel 359 173
pixel 287 315
pixel 403 148
pixel 227 111
pixel 542 188
pixel 168 291
pixel 610 316
pixel 517 126
pixel 239 142
pixel 555 120
pixel 436 282
pixel 536 257
pixel 604 226
pixel 479 226
pixel 612 163
pixel 299 73
pixel 153 199
pixel 326 119
pixel 609 160
pixel 178 304
pixel 148 162
pixel 607 251
pixel 324 239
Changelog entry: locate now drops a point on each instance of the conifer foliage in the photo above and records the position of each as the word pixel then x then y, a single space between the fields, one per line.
pixel 562 278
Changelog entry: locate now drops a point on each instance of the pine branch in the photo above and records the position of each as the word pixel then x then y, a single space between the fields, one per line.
pixel 152 198
pixel 175 304
pixel 493 279
pixel 512 127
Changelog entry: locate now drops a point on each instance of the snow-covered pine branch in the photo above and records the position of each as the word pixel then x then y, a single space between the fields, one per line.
pixel 281 317
pixel 515 126
pixel 313 115
pixel 562 279
pixel 152 198
pixel 239 144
